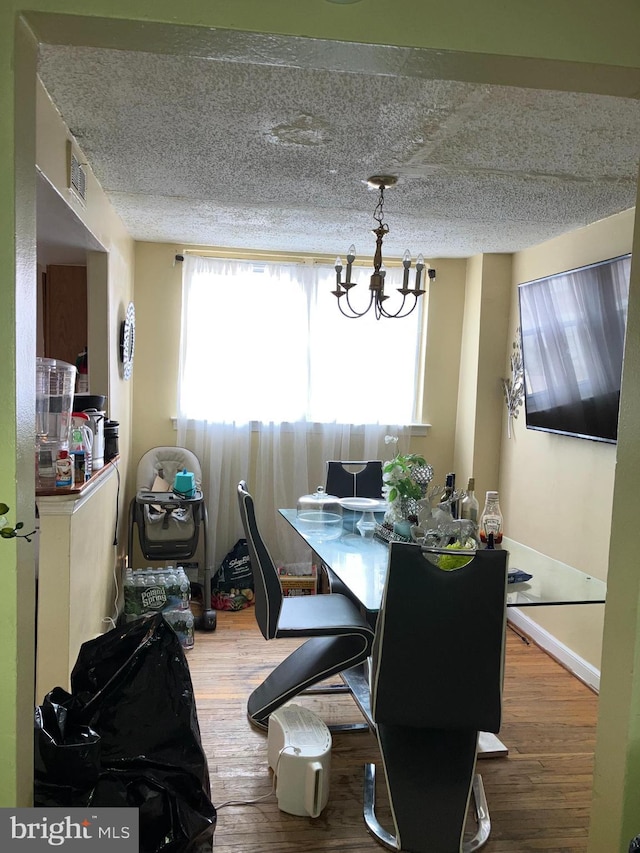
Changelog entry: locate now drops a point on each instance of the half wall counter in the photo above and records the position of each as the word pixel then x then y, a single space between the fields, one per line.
pixel 76 583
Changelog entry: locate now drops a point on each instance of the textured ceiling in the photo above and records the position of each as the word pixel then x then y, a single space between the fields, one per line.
pixel 243 152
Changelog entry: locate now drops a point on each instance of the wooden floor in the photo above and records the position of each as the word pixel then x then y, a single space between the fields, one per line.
pixel 538 797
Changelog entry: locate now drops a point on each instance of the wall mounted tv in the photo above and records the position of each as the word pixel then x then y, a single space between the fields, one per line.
pixel 572 327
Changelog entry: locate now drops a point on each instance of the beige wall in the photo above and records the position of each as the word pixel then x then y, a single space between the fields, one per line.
pixel 445 307
pixel 109 278
pixel 535 461
pixel 468 389
pixel 78 561
pixel 556 492
pixel 479 410
pixel 158 309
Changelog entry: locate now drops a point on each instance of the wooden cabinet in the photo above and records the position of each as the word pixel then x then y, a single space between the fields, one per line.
pixel 65 312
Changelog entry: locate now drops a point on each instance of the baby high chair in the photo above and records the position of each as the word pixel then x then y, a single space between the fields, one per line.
pixel 169 513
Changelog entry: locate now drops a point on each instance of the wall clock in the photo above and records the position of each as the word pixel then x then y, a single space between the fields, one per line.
pixel 127 341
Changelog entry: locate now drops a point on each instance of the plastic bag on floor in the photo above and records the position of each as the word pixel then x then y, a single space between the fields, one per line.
pixel 66 755
pixel 232 585
pixel 132 688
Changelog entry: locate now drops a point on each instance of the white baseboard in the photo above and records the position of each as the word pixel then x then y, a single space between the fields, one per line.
pixel 576 665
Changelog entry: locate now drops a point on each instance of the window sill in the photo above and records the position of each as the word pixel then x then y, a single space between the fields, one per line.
pixel 416 429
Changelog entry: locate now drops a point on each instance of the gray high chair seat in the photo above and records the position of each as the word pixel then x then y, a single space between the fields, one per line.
pixel 436 682
pixel 339 635
pixel 170 524
pixel 166 531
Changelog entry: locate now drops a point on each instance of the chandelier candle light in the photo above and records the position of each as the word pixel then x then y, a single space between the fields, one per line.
pixel 378 297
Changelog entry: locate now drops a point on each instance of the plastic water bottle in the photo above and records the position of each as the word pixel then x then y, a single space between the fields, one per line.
pixel 173 587
pixel 177 619
pixel 155 594
pixel 129 592
pixel 185 588
pixel 189 635
pixel 139 584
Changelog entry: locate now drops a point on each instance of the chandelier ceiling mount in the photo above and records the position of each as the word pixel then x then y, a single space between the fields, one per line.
pixel 377 296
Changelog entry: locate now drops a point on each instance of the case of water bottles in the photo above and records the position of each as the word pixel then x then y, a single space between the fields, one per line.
pixel 166 590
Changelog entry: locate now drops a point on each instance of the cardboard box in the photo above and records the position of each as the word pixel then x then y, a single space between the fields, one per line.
pixel 298 584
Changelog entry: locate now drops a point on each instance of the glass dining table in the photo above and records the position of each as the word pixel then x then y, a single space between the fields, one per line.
pixel 361 562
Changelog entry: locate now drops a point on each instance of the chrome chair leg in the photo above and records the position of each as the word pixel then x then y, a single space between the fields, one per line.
pixel 389 841
pixel 482 817
pixel 373 824
pixel 330 688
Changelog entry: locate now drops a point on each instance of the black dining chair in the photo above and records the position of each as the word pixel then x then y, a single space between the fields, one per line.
pixel 352 479
pixel 339 635
pixel 436 682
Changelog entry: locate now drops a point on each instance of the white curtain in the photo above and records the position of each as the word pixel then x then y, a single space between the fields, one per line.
pixel 274 382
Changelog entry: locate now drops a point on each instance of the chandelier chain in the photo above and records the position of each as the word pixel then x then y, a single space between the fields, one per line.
pixel 378 213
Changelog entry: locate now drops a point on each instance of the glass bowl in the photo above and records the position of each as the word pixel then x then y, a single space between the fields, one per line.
pixel 319 516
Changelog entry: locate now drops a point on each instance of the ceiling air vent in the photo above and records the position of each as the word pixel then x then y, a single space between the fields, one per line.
pixel 77 175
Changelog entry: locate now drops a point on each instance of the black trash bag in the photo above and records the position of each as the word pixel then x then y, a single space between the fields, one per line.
pixel 66 754
pixel 634 847
pixel 232 585
pixel 132 687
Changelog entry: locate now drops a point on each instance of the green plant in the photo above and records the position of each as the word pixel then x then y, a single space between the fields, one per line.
pixel 398 478
pixel 8 532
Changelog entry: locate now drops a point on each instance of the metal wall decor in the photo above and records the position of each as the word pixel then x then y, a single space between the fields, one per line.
pixel 513 386
pixel 127 341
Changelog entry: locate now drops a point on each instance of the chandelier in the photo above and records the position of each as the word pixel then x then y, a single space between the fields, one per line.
pixel 378 297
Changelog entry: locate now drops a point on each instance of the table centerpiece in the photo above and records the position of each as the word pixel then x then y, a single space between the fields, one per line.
pixel 405 479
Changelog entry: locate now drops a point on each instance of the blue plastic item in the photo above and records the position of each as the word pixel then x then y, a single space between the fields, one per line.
pixel 185 483
pixel 517 576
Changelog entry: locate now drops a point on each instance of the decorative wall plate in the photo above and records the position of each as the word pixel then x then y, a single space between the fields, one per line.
pixel 127 341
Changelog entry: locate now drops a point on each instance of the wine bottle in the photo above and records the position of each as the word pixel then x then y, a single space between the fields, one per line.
pixel 469 506
pixel 447 494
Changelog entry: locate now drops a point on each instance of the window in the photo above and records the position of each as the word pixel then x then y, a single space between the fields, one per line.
pixel 266 342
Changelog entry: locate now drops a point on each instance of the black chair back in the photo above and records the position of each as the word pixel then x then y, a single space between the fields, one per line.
pixel 267 588
pixel 354 479
pixel 438 653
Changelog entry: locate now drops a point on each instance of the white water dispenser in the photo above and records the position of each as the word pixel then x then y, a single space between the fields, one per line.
pixel 55 382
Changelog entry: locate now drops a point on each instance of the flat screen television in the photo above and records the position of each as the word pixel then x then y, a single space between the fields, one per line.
pixel 572 327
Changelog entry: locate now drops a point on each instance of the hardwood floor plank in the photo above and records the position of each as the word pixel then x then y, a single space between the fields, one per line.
pixel 539 796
